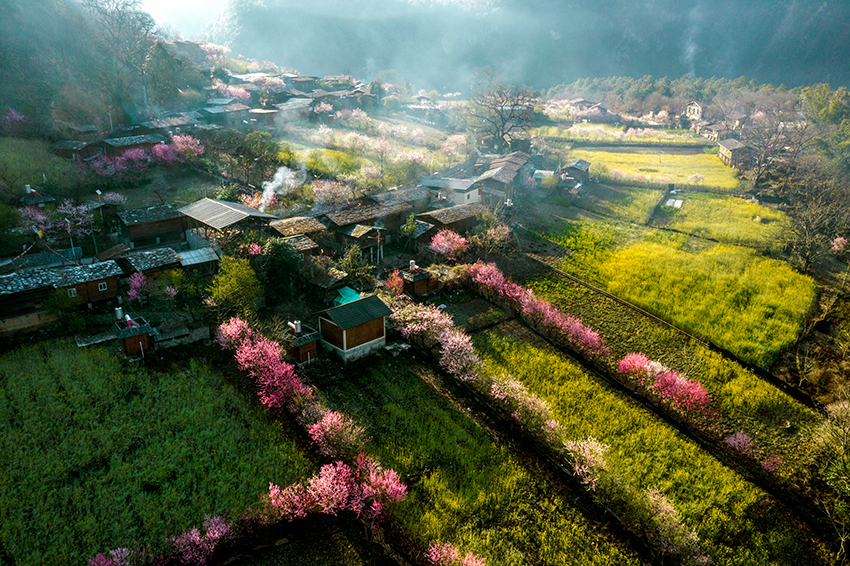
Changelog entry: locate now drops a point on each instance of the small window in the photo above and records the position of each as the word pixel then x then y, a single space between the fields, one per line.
pixel 101 286
pixel 72 292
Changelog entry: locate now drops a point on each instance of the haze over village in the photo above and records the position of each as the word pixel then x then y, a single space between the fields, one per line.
pixel 452 283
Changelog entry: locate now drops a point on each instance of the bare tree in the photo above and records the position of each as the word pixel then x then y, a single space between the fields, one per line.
pixel 502 111
pixel 818 208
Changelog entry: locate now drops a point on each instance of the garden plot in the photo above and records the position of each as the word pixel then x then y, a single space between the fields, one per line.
pixel 99 456
pixel 735 521
pixel 464 488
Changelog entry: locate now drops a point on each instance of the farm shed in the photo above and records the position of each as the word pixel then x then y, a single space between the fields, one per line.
pixel 152 262
pixel 578 169
pixel 202 259
pixel 354 329
pixel 222 219
pixel 303 348
pixel 418 282
pixel 152 226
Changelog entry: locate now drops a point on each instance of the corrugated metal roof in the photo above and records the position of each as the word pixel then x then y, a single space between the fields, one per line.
pixel 150 214
pixel 358 230
pixel 220 214
pixel 357 312
pixel 297 225
pixel 194 257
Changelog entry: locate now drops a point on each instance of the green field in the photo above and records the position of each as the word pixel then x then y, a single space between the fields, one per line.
pixel 655 168
pixel 736 522
pixel 608 134
pixel 729 219
pixel 746 402
pixel 624 203
pixel 24 161
pixel 467 489
pixel 98 455
pixel 732 296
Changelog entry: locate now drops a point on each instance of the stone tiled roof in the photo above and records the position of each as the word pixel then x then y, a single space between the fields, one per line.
pixel 302 243
pixel 152 259
pixel 403 195
pixel 454 214
pixel 41 277
pixel 150 214
pixel 297 225
pixel 134 140
pixel 366 213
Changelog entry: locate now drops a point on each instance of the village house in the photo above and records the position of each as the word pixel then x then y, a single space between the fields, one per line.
pixel 294 110
pixel 496 185
pixel 213 115
pixel 576 171
pixel 417 197
pixel 153 263
pixel 220 219
pixel 303 245
pixel 732 152
pixel 451 191
pixel 368 225
pixel 417 281
pixel 716 132
pixel 23 293
pixel 736 120
pixel 355 329
pixel 236 115
pixel 694 110
pixel 298 226
pixel 181 123
pixel 118 146
pixel 72 149
pixel 460 218
pixel 152 226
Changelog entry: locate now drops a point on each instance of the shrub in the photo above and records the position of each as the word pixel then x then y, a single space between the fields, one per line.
pixel 338 436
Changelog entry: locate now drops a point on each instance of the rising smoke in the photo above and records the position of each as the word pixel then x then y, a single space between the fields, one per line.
pixel 284 181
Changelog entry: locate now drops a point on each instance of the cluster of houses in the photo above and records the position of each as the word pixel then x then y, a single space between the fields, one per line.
pixel 293 98
pixel 157 239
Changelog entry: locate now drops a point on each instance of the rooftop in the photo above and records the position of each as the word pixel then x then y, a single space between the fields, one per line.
pixel 134 140
pixel 302 243
pixel 152 259
pixel 731 144
pixel 194 257
pixel 297 225
pixel 404 195
pixel 42 277
pixel 150 214
pixel 366 213
pixel 579 164
pixel 456 213
pixel 447 183
pixel 357 312
pixel 221 214
pixel 69 276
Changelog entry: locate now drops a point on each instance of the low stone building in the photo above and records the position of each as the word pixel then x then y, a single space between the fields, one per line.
pixel 732 152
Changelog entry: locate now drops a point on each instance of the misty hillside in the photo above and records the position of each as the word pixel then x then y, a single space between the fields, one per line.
pixel 545 42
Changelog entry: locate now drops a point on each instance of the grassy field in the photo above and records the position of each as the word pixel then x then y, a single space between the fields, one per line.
pixel 608 134
pixel 24 161
pixel 468 490
pixel 736 522
pixel 751 305
pixel 656 168
pixel 97 455
pixel 624 203
pixel 728 219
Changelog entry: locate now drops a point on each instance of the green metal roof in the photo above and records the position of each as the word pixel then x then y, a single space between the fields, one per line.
pixel 357 312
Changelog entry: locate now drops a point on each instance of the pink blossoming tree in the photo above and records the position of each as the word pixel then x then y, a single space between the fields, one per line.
pixel 449 244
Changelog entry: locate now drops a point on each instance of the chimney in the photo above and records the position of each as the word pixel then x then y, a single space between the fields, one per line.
pixel 412 265
pixel 119 314
pixel 28 189
pixel 297 327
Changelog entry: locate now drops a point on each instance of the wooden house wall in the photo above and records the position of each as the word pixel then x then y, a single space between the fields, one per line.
pixel 134 345
pixel 88 292
pixel 365 332
pixel 304 353
pixel 331 332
